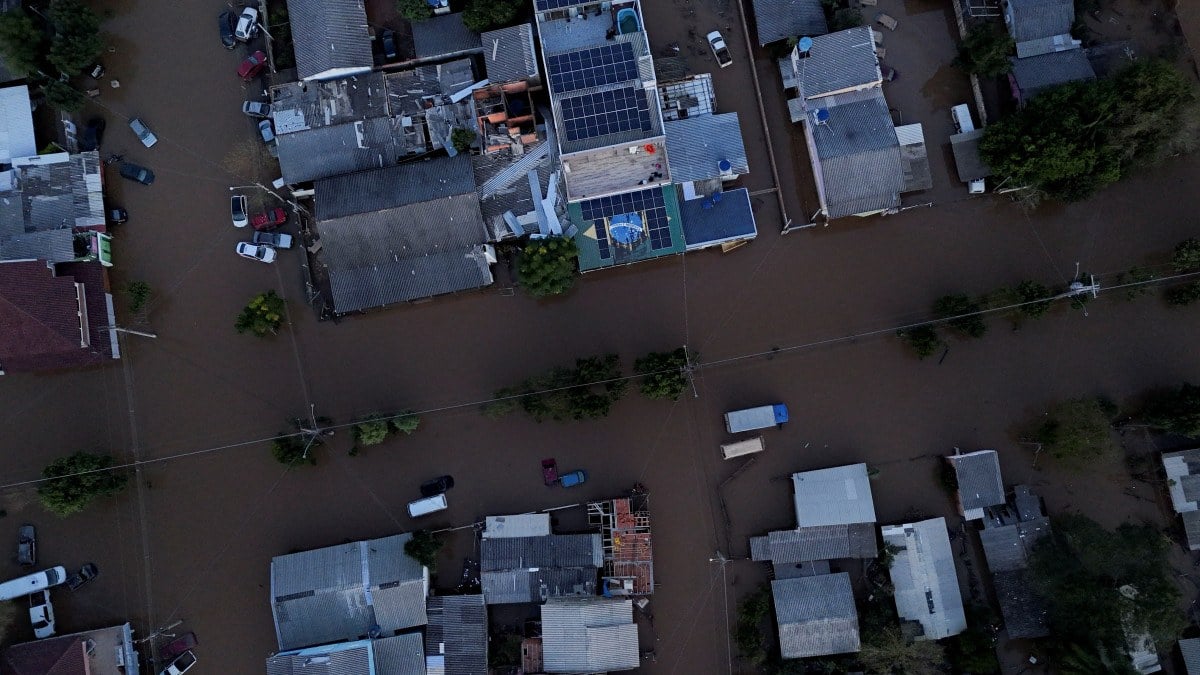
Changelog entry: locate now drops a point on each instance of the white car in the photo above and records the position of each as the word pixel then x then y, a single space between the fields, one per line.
pixel 237 211
pixel 143 132
pixel 256 252
pixel 719 48
pixel 181 664
pixel 41 614
pixel 247 25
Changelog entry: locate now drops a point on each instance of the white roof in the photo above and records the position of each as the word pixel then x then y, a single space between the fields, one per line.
pixel 16 124
pixel 1179 485
pixel 522 525
pixel 924 577
pixel 840 495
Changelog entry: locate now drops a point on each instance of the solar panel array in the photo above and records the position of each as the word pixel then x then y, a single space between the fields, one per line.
pixel 606 112
pixel 546 5
pixel 646 203
pixel 609 64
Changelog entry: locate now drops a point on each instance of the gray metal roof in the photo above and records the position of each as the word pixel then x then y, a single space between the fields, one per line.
pixel 329 36
pixel 821 542
pixel 588 635
pixel 803 569
pixel 43 198
pixel 696 144
pixel 979 482
pixel 1025 614
pixel 347 658
pixel 714 220
pixel 402 654
pixel 1191 528
pixel 782 19
pixel 458 633
pixel 444 36
pixel 1036 19
pixel 1035 74
pixel 342 148
pixel 1007 548
pixel 839 61
pixel 966 156
pixel 838 495
pixel 340 592
pixel 508 54
pixel 393 186
pixel 1179 466
pixel 925 579
pixel 532 569
pixel 1027 504
pixel 16 124
pixel 1190 648
pixel 859 155
pixel 815 615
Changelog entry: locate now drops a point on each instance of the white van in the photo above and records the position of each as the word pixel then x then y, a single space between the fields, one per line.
pixel 427 505
pixel 746 447
pixel 963 124
pixel 32 583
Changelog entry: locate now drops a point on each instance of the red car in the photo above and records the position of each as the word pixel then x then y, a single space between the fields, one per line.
pixel 252 66
pixel 269 220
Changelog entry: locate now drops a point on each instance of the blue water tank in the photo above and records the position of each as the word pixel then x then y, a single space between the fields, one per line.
pixel 822 115
pixel 724 165
pixel 804 45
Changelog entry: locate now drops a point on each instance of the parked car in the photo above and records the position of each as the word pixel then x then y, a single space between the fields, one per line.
pixel 269 219
pixel 85 574
pixel 388 42
pixel 256 252
pixel 137 173
pixel 96 71
pixel 247 25
pixel 226 23
pixel 179 645
pixel 719 48
pixel 26 546
pixel 436 486
pixel 252 66
pixel 273 239
pixel 93 133
pixel 143 132
pixel 117 215
pixel 256 109
pixel 180 665
pixel 577 477
pixel 267 131
pixel 41 614
pixel 237 210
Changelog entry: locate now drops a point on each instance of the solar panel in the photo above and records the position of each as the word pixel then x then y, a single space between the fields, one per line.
pixel 648 204
pixel 609 64
pixel 602 240
pixel 606 112
pixel 546 5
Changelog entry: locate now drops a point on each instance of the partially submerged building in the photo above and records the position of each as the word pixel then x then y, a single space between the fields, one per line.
pixel 104 651
pixel 456 638
pixel 588 635
pixel 778 20
pixel 1047 55
pixel 52 208
pixel 330 39
pixel 1183 478
pixel 627 542
pixel 979 484
pixel 1032 75
pixel 520 562
pixel 927 595
pixel 383 656
pixel 1009 533
pixel 815 616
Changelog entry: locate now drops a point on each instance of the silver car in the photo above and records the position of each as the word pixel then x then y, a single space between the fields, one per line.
pixel 257 109
pixel 237 210
pixel 247 25
pixel 143 132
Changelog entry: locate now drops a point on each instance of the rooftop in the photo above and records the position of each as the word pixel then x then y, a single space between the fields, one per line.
pixel 925 579
pixel 398 654
pixel 521 525
pixel 506 188
pixel 341 592
pixel 610 170
pixel 393 186
pixel 627 541
pixel 589 635
pixel 719 218
pixel 1190 650
pixel 627 228
pixel 16 124
pixel 837 62
pixel 914 158
pixel 820 542
pixel 1024 612
pixel 1035 74
pixel 104 651
pixel 835 496
pixel 444 36
pixel 330 38
pixel 1007 547
pixel 979 482
pixel 44 199
pixel 966 156
pixel 1036 19
pixel 509 55
pixel 815 615
pixel 456 639
pixel 533 569
pixel 857 160
pixel 696 146
pixel 782 19
pixel 1183 480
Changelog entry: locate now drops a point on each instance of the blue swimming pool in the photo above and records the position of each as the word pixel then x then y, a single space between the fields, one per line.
pixel 627 21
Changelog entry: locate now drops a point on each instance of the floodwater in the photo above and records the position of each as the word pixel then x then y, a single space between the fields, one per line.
pixel 193 537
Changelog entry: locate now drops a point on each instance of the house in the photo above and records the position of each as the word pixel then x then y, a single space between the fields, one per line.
pixel 815 615
pixel 515 568
pixel 627 542
pixel 979 483
pixel 589 635
pixel 106 651
pixel 1040 26
pixel 1035 74
pixel 347 592
pixel 1183 479
pixel 330 39
pixel 54 317
pixel 509 55
pixel 52 208
pixel 722 218
pixel 444 37
pixel 456 638
pixel 382 656
pixel 1189 649
pixel 925 580
pixel 783 19
pixel 402 233
pixel 16 124
pixel 1008 536
pixel 706 147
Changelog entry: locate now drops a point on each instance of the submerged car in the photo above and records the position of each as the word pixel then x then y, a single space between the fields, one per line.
pixel 247 25
pixel 719 49
pixel 93 133
pixel 85 574
pixel 577 477
pixel 257 252
pixel 226 23
pixel 436 486
pixel 267 131
pixel 181 664
pixel 256 109
pixel 41 614
pixel 252 66
pixel 26 546
pixel 143 132
pixel 137 173
pixel 237 210
pixel 273 239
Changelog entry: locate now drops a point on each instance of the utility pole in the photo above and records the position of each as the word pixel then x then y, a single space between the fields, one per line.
pixel 689 370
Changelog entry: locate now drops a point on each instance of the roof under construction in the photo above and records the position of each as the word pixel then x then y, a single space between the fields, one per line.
pixel 626 540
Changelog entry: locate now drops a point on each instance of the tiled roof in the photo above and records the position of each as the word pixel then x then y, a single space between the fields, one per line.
pixel 821 542
pixel 815 615
pixel 16 124
pixel 458 633
pixel 329 36
pixel 1038 73
pixel 40 325
pixel 859 157
pixel 782 19
pixel 1024 612
pixel 393 186
pixel 589 635
pixel 444 36
pixel 1036 19
pixel 838 495
pixel 838 61
pixel 508 54
pixel 64 655
pixel 925 579
pixel 979 482
pixel 716 219
pixel 695 145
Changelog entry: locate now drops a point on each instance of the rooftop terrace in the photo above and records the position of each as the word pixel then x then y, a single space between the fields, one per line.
pixel 610 170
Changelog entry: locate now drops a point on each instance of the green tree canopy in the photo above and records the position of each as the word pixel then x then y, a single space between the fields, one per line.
pixel 749 632
pixel 77 480
pixel 22 42
pixel 888 651
pixel 1184 295
pixel 413 10
pixel 262 315
pixel 371 432
pixel 663 374
pixel 292 451
pixel 424 547
pixel 1035 298
pixel 481 15
pixel 968 321
pixel 1077 138
pixel 1187 255
pixel 405 423
pixel 1077 430
pixel 985 51
pixel 462 139
pixel 1176 411
pixel 77 41
pixel 924 340
pixel 62 95
pixel 548 266
pixel 586 391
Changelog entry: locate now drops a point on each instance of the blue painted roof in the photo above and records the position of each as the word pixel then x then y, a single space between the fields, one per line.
pixel 727 219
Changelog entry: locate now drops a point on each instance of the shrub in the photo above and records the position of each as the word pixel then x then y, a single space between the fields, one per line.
pixel 413 10
pixel 923 339
pixel 985 51
pixel 139 295
pixel 481 15
pixel 77 480
pixel 462 139
pixel 406 423
pixel 548 266
pixel 1176 411
pixel 1035 296
pixel 1187 255
pixel 292 451
pixel 263 315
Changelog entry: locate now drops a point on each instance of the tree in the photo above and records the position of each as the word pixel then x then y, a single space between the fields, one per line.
pixel 1181 296
pixel 750 632
pixel 462 139
pixel 586 391
pixel 77 41
pixel 985 51
pixel 1077 430
pixel 75 481
pixel 548 266
pixel 1082 569
pixel 481 15
pixel 139 295
pixel 1035 298
pixel 22 42
pixel 664 374
pixel 370 432
pixel 1187 255
pixel 924 340
pixel 424 547
pixel 963 314
pixel 291 450
pixel 974 650
pixel 62 95
pixel 262 315
pixel 1176 411
pixel 888 651
pixel 405 424
pixel 413 10
pixel 845 18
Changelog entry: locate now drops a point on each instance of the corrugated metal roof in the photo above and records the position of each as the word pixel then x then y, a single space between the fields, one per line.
pixel 782 19
pixel 815 615
pixel 695 145
pixel 925 579
pixel 838 61
pixel 821 542
pixel 1190 648
pixel 859 157
pixel 506 587
pixel 402 654
pixel 393 186
pixel 352 658
pixel 1036 19
pixel 329 35
pixel 337 149
pixel 520 525
pixel 443 36
pixel 16 124
pixel 708 222
pixel 508 54
pixel 556 550
pixel 966 156
pixel 804 569
pixel 1179 465
pixel 458 634
pixel 1007 548
pixel 835 496
pixel 1191 528
pixel 979 481
pixel 1025 614
pixel 1038 73
pixel 588 635
pixel 43 198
